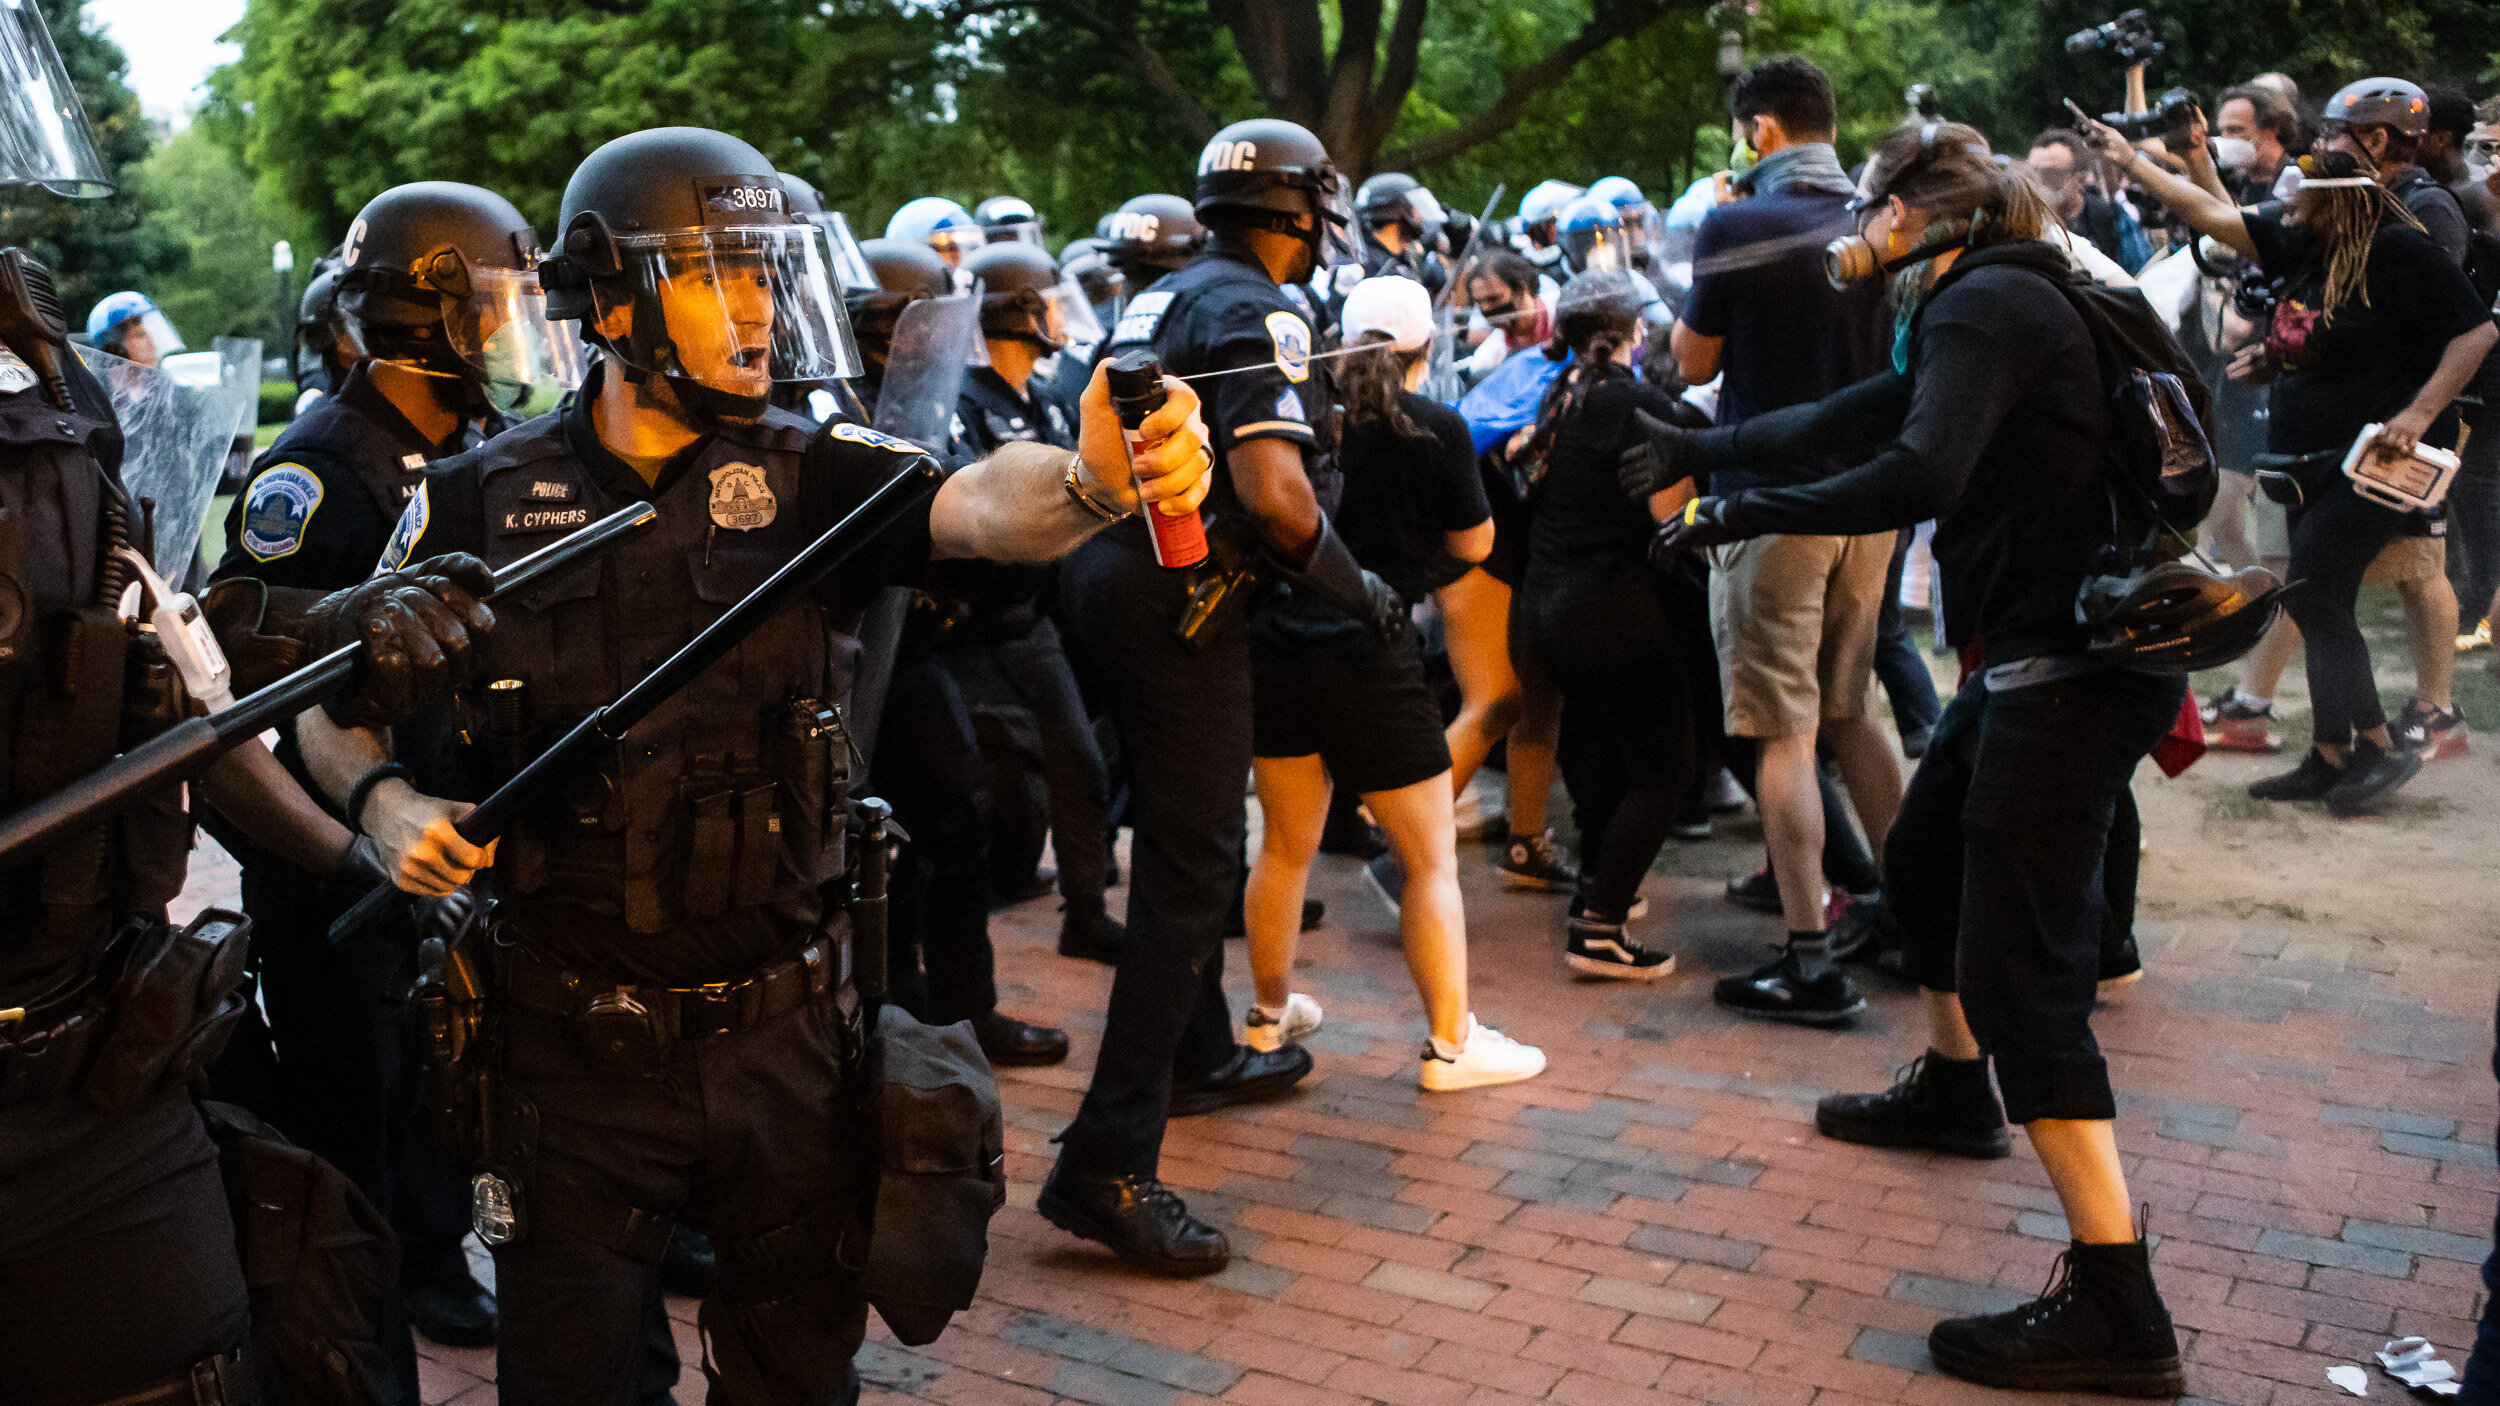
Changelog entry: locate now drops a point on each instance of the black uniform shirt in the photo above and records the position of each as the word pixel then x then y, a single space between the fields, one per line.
pixel 320 501
pixel 1221 312
pixel 990 413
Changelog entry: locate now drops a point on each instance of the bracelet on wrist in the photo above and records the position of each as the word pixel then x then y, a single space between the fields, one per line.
pixel 1075 486
pixel 363 791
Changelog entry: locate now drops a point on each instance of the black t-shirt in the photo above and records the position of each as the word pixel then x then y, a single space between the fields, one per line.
pixel 1790 336
pixel 1997 433
pixel 1403 492
pixel 1583 526
pixel 2367 362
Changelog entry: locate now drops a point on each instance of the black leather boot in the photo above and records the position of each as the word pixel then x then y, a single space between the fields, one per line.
pixel 1943 1105
pixel 1139 1218
pixel 2101 1327
pixel 1009 1041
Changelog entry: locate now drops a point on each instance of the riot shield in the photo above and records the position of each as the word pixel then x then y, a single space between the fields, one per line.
pixel 178 424
pixel 44 140
pixel 935 341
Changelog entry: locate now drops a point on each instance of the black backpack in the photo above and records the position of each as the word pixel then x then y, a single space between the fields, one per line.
pixel 2162 474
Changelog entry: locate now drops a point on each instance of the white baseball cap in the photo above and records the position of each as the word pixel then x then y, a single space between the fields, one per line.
pixel 1398 307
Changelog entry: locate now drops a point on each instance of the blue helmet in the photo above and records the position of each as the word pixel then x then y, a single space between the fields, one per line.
pixel 111 320
pixel 1618 191
pixel 1592 236
pixel 939 223
pixel 1542 203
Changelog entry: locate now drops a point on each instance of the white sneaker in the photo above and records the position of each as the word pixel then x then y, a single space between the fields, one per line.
pixel 1488 1057
pixel 1264 1033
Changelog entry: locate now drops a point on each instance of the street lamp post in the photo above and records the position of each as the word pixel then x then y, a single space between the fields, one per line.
pixel 282 263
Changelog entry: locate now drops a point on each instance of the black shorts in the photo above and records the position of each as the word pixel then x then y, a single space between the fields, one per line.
pixel 1330 686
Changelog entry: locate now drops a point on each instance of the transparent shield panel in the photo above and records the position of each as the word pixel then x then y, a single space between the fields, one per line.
pixel 44 140
pixel 935 344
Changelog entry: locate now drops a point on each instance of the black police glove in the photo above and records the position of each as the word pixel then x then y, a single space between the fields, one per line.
pixel 1705 522
pixel 1665 456
pixel 415 626
pixel 1333 575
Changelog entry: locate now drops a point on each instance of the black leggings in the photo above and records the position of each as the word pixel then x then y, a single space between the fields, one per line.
pixel 1621 650
pixel 2335 537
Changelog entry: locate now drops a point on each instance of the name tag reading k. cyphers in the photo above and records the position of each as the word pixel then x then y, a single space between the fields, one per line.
pixel 545 519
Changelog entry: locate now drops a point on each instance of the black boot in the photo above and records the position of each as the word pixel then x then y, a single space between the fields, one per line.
pixel 1088 931
pixel 2100 1327
pixel 1941 1104
pixel 447 1304
pixel 1136 1216
pixel 1006 1040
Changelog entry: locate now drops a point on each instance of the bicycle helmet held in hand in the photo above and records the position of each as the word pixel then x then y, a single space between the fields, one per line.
pixel 2176 618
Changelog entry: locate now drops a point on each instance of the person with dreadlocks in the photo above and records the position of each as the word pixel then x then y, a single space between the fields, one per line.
pixel 2375 325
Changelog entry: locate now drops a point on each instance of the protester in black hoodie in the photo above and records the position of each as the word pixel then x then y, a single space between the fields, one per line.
pixel 1992 422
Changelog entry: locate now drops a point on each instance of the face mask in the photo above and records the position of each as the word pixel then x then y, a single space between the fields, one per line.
pixel 2234 153
pixel 2478 169
pixel 1743 157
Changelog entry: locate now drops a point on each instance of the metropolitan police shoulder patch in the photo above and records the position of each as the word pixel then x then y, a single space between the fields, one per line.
pixel 276 509
pixel 1293 345
pixel 861 434
pixel 411 529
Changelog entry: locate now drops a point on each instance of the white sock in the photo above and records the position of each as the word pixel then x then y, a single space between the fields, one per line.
pixel 1275 1015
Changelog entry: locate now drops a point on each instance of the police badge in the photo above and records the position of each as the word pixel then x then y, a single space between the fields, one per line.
pixel 741 500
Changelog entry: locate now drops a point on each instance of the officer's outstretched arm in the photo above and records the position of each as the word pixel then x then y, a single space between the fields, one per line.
pixel 1015 506
pixel 411 829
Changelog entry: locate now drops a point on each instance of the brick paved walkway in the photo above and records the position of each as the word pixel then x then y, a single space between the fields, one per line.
pixel 1655 1223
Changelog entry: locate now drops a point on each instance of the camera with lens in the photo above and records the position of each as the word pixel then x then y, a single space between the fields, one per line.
pixel 2255 298
pixel 2170 119
pixel 2130 37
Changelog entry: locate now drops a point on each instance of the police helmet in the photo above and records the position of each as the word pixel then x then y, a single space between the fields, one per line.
pixel 1009 218
pixel 1026 296
pixel 689 233
pixel 2176 618
pixel 116 316
pixel 1268 173
pixel 804 198
pixel 1152 235
pixel 905 271
pixel 1088 261
pixel 1540 205
pixel 1383 199
pixel 1592 236
pixel 2381 102
pixel 939 223
pixel 440 278
pixel 325 346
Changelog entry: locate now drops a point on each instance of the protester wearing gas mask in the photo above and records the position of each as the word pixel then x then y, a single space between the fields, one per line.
pixel 1992 421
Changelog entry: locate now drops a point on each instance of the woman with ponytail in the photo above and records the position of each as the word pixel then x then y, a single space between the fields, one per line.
pixel 2374 325
pixel 1993 422
pixel 1620 639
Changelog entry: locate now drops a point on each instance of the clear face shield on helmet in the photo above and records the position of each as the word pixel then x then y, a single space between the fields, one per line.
pixel 1016 232
pixel 955 243
pixel 44 140
pixel 1066 317
pixel 730 309
pixel 500 330
pixel 1333 201
pixel 161 338
pixel 1597 249
pixel 851 273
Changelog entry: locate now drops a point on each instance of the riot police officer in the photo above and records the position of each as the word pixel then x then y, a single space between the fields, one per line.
pixel 1275 209
pixel 906 271
pixel 119 1271
pixel 324 347
pixel 1009 219
pixel 1030 313
pixel 664 965
pixel 1400 222
pixel 939 223
pixel 1152 235
pixel 436 284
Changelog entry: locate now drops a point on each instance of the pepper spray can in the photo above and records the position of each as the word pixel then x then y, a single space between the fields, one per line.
pixel 1136 382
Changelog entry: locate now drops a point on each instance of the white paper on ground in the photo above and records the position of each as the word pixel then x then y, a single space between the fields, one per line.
pixel 2351 1379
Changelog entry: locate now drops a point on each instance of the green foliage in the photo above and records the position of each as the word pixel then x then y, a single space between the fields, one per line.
pixel 94 247
pixel 205 205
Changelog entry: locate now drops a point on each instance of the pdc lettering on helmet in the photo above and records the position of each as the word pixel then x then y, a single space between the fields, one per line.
pixel 1129 227
pixel 1228 156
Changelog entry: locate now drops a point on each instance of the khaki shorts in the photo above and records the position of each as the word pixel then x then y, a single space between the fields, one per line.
pixel 1794 619
pixel 2408 561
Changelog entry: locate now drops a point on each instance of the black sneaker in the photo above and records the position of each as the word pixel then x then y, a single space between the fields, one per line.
pixel 1863 930
pixel 2311 780
pixel 1757 891
pixel 2100 1327
pixel 1139 1218
pixel 1537 862
pixel 1943 1105
pixel 1354 837
pixel 1593 948
pixel 2122 964
pixel 1781 991
pixel 2371 775
pixel 2433 734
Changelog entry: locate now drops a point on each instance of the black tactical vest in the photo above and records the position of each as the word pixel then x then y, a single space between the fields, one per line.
pixel 698 848
pixel 63 703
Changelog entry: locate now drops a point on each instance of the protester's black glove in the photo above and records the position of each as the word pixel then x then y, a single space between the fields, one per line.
pixel 1665 456
pixel 414 625
pixel 1384 609
pixel 1705 522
